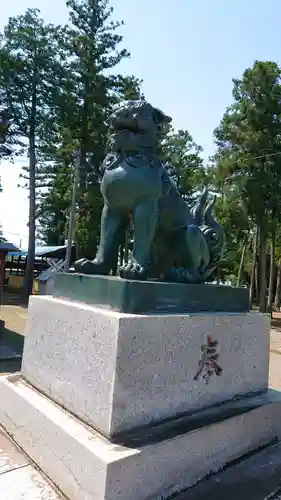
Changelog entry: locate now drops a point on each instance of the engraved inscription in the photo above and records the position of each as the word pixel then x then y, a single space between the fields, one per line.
pixel 208 362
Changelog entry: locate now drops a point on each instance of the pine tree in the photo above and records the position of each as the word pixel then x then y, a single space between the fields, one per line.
pixel 91 45
pixel 249 149
pixel 181 156
pixel 2 238
pixel 30 78
pixel 10 143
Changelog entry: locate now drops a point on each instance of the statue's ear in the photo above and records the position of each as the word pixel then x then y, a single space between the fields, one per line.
pixel 160 118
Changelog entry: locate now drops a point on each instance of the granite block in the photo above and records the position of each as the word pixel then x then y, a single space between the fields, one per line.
pixel 143 297
pixel 255 477
pixel 119 372
pixel 86 466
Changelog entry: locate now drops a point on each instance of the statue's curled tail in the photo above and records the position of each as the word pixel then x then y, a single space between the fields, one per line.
pixel 211 230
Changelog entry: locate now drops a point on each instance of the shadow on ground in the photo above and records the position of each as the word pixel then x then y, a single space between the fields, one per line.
pixel 12 298
pixel 14 341
pixel 276 321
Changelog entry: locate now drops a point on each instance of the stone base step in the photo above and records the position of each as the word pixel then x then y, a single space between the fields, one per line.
pixel 154 464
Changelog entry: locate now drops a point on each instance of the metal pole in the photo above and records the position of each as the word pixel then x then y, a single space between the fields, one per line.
pixel 72 214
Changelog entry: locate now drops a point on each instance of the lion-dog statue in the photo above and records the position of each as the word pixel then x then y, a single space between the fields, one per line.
pixel 171 242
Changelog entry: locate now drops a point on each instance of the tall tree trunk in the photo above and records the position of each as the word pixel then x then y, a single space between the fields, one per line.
pixel 84 138
pixel 272 271
pixel 121 254
pixel 278 287
pixel 72 214
pixel 262 261
pixel 254 265
pixel 29 272
pixel 257 281
pixel 241 265
pixel 77 247
pixel 126 253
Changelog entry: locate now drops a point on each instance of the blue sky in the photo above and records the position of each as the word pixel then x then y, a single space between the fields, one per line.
pixel 187 53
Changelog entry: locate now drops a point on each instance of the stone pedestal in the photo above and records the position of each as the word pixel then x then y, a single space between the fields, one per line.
pixel 120 371
pixel 112 405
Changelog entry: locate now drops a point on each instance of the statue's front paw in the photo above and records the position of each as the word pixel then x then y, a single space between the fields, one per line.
pixel 133 271
pixel 86 266
pixel 78 265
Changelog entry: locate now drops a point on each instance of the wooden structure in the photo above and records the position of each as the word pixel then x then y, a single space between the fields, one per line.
pixel 44 257
pixel 16 261
pixel 5 248
pixel 6 352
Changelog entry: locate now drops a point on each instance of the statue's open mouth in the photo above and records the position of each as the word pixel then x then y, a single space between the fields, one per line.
pixel 126 125
pixel 129 128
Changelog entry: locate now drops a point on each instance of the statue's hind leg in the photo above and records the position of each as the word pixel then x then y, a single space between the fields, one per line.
pixel 192 254
pixel 113 223
pixel 145 217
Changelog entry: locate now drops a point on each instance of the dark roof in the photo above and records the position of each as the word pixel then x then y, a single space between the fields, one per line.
pixel 43 251
pixel 8 247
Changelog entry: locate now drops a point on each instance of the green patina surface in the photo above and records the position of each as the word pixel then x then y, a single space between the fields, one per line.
pixel 170 239
pixel 141 297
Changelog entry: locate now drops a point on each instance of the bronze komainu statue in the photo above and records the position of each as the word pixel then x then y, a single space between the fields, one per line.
pixel 170 240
